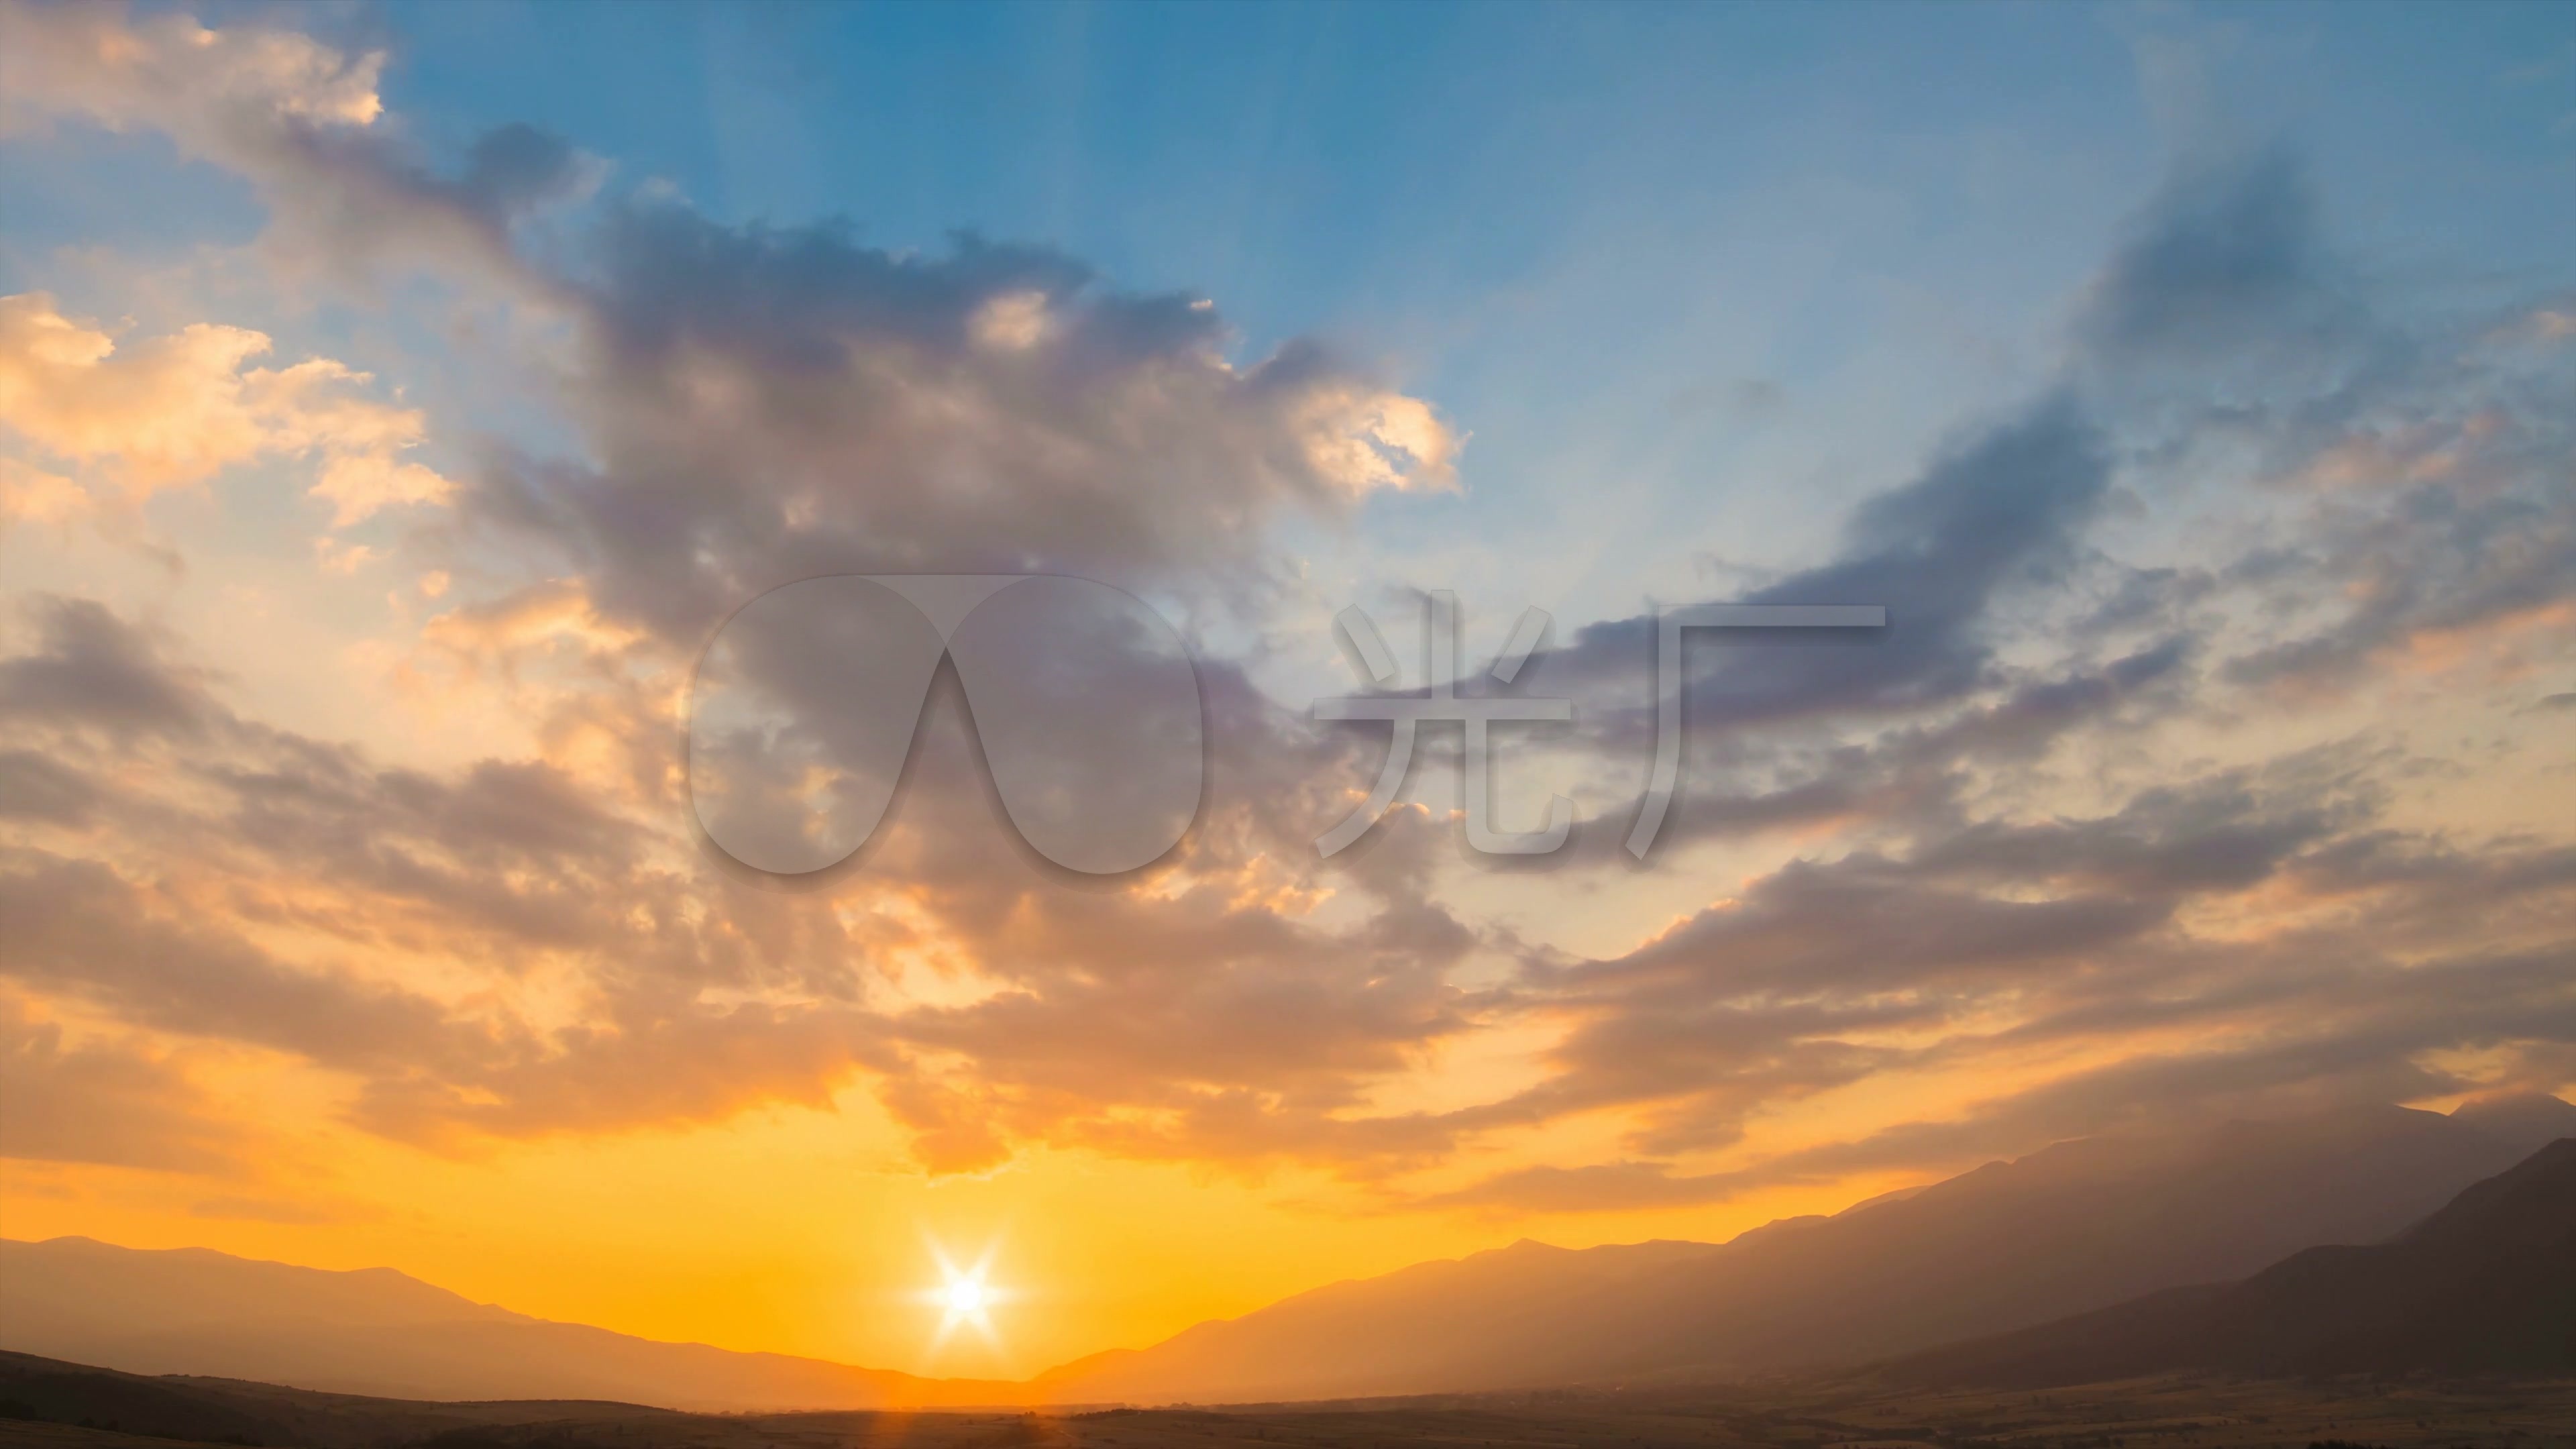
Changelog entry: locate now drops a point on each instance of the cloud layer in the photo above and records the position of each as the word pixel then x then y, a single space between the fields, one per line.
pixel 2066 840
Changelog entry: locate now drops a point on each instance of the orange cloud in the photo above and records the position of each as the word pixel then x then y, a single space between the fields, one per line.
pixel 178 409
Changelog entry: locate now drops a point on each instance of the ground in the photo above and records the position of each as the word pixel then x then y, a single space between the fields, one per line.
pixel 2167 1413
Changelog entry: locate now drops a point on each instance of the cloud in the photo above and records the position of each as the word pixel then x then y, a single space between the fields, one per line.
pixel 1787 728
pixel 170 73
pixel 104 1101
pixel 181 408
pixel 299 119
pixel 766 405
pixel 423 933
pixel 2226 261
pixel 91 669
pixel 1999 840
pixel 2252 945
pixel 2418 522
pixel 2220 331
pixel 1999 506
pixel 2446 576
pixel 33 787
pixel 769 403
pixel 762 404
pixel 2217 940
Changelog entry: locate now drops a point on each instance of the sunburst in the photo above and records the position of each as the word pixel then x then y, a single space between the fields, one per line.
pixel 965 1297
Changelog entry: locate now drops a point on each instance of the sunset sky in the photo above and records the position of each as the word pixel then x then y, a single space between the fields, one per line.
pixel 396 399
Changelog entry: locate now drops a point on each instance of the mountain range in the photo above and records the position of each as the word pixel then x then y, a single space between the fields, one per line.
pixel 2078 1226
pixel 378 1332
pixel 2488 1284
pixel 2116 1234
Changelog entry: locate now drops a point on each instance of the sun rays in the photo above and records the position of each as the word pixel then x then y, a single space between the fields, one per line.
pixel 965 1297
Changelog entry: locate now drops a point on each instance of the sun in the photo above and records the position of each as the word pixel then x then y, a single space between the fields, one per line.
pixel 965 1297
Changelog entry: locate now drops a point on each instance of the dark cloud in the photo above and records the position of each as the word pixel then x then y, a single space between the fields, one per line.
pixel 1209 1022
pixel 772 404
pixel 1999 507
pixel 2297 1038
pixel 35 788
pixel 515 168
pixel 2420 451
pixel 77 926
pixel 2227 259
pixel 2440 573
pixel 92 669
pixel 2413 519
pixel 2073 931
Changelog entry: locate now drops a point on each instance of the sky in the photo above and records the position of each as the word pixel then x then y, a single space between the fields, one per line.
pixel 396 401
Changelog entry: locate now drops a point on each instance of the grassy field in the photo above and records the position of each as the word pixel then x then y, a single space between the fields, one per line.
pixel 2171 1413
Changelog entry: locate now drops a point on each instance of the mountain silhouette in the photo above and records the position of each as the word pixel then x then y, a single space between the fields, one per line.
pixel 2487 1284
pixel 2524 1121
pixel 233 1411
pixel 2076 1227
pixel 2069 1230
pixel 376 1331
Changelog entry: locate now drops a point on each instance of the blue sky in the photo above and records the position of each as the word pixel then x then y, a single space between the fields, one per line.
pixel 1389 171
pixel 1306 159
pixel 1580 230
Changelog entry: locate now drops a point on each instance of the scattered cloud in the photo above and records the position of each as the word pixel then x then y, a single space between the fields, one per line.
pixel 2060 821
pixel 179 409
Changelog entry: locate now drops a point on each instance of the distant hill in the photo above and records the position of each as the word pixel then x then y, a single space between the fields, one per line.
pixel 2487 1284
pixel 230 1411
pixel 1494 1320
pixel 47 1404
pixel 44 1405
pixel 376 1331
pixel 2524 1121
pixel 2076 1227
pixel 2069 1230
